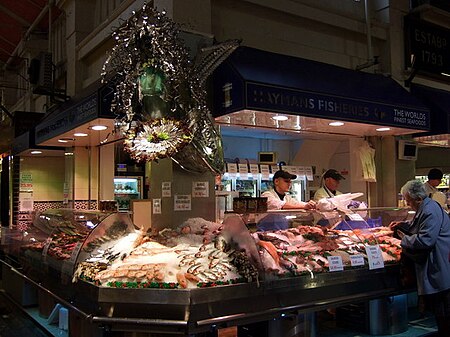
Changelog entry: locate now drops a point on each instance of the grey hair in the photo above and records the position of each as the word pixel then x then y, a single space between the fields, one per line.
pixel 415 189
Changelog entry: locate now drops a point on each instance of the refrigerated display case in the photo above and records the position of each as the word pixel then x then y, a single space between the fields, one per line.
pixel 58 238
pixel 129 280
pixel 246 185
pixel 127 189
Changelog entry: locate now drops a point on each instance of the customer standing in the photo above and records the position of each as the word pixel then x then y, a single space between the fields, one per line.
pixel 426 240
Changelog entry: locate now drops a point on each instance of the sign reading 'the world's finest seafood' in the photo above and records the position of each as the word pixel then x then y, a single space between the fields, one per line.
pixel 427 47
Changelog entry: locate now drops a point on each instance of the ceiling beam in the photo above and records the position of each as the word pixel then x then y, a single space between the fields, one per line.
pixel 16 17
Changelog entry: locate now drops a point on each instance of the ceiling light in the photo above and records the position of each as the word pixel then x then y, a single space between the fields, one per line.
pixel 98 127
pixel 383 129
pixel 65 140
pixel 280 118
pixel 80 134
pixel 36 152
pixel 336 123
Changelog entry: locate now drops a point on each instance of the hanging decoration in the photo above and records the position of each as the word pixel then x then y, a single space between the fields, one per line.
pixel 160 100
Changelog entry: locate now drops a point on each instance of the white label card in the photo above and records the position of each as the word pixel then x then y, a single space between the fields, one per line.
pixel 232 169
pixel 309 173
pixel 355 217
pixel 254 169
pixel 200 189
pixel 356 260
pixel 182 202
pixel 264 172
pixel 156 203
pixel 243 168
pixel 335 263
pixel 374 256
pixel 166 187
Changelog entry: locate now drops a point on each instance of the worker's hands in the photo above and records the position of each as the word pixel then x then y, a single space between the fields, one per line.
pixel 310 205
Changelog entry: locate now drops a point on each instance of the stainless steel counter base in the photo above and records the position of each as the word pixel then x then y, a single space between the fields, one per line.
pixel 192 311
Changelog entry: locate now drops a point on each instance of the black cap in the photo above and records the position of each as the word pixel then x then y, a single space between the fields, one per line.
pixel 332 173
pixel 284 175
pixel 435 174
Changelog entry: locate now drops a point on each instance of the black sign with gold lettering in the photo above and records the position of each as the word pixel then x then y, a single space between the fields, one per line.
pixel 427 46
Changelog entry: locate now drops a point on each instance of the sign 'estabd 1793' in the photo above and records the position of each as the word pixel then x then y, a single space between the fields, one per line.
pixel 427 47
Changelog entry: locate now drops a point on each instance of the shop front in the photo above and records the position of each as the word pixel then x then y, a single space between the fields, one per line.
pixel 316 115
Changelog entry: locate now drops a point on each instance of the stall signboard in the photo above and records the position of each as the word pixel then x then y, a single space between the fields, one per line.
pixel 427 47
pixel 83 112
pixel 264 81
pixel 268 98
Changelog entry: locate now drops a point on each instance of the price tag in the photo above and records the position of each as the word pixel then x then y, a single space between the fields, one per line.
pixel 264 171
pixel 232 169
pixel 156 206
pixel 166 187
pixel 356 260
pixel 309 173
pixel 335 263
pixel 300 171
pixel 355 217
pixel 374 256
pixel 243 169
pixel 254 169
pixel 200 189
pixel 182 202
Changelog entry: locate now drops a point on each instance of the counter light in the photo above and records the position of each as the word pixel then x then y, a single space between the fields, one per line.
pixel 280 118
pixel 80 134
pixel 383 129
pixel 65 140
pixel 336 123
pixel 36 152
pixel 98 127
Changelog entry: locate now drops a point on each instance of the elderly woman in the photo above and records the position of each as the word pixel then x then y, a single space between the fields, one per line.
pixel 426 240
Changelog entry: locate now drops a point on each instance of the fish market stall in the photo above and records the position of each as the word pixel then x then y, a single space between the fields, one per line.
pixel 199 276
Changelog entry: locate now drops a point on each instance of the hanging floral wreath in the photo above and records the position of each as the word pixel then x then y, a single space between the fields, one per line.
pixel 159 91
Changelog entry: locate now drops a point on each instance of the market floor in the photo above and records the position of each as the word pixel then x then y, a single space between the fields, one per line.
pixel 418 326
pixel 14 322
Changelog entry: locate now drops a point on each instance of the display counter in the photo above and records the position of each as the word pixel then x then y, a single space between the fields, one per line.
pixel 202 275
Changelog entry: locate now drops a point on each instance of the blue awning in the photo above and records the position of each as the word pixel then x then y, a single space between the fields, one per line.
pixel 439 103
pixel 258 80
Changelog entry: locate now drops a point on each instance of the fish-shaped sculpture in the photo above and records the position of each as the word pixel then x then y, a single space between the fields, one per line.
pixel 160 97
